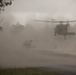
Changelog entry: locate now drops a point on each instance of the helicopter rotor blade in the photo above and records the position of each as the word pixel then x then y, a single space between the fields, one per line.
pixel 53 21
pixel 45 21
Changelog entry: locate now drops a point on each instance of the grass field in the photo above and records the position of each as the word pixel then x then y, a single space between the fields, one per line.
pixel 26 71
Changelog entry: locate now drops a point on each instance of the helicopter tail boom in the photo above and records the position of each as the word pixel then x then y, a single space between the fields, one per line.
pixel 71 33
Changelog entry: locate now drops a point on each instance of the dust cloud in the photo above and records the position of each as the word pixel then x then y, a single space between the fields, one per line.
pixel 45 48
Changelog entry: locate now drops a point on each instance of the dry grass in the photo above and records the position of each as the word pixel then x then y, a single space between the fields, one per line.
pixel 26 71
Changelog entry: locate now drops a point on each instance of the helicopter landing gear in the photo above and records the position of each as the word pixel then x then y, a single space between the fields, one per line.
pixel 1 29
pixel 55 34
pixel 65 37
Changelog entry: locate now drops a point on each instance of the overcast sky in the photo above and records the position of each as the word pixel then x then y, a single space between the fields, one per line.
pixel 58 9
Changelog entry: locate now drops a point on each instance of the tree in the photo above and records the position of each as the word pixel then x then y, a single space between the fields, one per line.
pixel 4 3
pixel 17 28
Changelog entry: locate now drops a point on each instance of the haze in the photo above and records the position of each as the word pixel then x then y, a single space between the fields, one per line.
pixel 47 50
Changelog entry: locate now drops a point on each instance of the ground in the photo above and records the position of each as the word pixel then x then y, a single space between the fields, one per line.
pixel 27 71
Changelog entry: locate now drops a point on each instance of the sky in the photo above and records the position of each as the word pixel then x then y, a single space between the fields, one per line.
pixel 39 9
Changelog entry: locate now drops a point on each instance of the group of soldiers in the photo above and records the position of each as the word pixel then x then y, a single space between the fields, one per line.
pixel 28 43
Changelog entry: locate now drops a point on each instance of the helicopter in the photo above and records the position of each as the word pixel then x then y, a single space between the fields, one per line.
pixel 61 28
pixel 28 43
